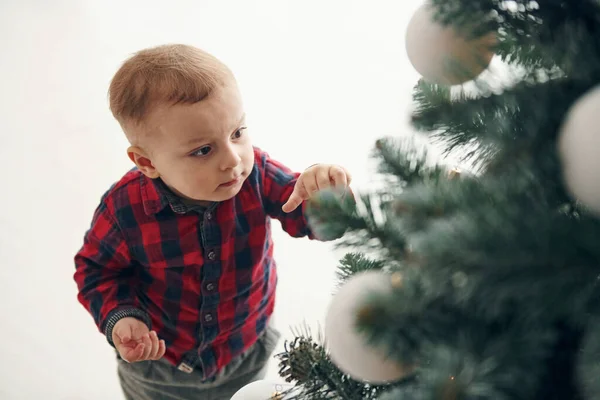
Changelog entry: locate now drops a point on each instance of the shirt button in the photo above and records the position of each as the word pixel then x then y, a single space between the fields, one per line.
pixel 210 287
pixel 209 216
pixel 212 255
pixel 208 317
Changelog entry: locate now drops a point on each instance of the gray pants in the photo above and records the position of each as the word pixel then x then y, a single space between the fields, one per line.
pixel 159 380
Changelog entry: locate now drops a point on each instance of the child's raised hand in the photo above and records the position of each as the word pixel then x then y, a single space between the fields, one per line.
pixel 135 342
pixel 315 178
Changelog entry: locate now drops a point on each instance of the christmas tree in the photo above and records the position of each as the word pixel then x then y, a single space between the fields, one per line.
pixel 480 284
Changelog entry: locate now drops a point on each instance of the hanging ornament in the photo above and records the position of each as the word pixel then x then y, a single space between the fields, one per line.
pixel 442 54
pixel 347 347
pixel 264 390
pixel 578 146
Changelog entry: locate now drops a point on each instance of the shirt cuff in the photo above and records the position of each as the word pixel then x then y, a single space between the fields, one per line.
pixel 120 313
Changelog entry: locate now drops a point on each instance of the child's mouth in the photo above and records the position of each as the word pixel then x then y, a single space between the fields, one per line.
pixel 231 182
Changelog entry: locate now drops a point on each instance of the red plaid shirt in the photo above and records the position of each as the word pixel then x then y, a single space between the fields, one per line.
pixel 203 279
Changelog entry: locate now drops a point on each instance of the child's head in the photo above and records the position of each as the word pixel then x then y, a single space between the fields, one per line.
pixel 183 115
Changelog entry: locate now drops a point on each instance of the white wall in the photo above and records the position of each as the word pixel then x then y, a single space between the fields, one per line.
pixel 321 81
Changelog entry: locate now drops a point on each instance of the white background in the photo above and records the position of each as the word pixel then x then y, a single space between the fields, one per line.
pixel 321 80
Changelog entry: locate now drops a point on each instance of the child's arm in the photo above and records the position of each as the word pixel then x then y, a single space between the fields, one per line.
pixel 105 277
pixel 283 198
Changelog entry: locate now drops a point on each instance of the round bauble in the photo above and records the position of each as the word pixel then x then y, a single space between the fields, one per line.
pixel 264 390
pixel 579 150
pixel 347 348
pixel 443 54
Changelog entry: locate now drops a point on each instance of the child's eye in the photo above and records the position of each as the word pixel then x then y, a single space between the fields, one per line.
pixel 202 151
pixel 237 134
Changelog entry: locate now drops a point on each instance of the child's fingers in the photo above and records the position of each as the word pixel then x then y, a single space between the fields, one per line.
pixel 122 334
pixel 132 355
pixel 310 185
pixel 162 348
pixel 339 176
pixel 147 346
pixel 139 352
pixel 348 175
pixel 155 346
pixel 298 195
pixel 322 179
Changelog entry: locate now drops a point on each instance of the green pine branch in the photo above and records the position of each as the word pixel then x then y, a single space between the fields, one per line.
pixel 545 35
pixel 305 363
pixel 364 218
pixel 588 369
pixel 405 161
pixel 453 351
pixel 499 271
pixel 507 125
pixel 354 263
pixel 504 254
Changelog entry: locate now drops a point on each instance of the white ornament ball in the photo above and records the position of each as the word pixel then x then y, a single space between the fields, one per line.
pixel 347 348
pixel 264 390
pixel 579 150
pixel 441 54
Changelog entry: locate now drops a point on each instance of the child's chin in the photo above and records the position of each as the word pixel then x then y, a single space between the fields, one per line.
pixel 227 193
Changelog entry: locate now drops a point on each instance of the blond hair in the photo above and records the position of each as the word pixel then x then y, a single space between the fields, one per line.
pixel 166 74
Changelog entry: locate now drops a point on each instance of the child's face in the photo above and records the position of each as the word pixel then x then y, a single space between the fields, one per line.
pixel 202 151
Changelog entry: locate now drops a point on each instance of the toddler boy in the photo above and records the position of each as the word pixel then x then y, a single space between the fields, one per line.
pixel 177 267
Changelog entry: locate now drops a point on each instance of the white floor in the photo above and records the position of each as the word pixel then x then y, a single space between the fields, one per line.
pixel 321 80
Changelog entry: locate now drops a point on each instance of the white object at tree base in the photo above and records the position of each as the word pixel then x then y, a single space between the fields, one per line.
pixel 347 348
pixel 441 54
pixel 579 150
pixel 264 390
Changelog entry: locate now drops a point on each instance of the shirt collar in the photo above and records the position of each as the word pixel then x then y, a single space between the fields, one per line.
pixel 156 196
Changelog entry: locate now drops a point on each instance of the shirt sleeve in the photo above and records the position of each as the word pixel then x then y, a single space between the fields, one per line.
pixel 277 184
pixel 104 275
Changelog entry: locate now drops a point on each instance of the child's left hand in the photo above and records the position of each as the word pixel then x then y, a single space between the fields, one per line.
pixel 315 178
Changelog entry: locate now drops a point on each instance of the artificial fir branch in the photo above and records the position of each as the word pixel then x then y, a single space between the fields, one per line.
pixel 306 363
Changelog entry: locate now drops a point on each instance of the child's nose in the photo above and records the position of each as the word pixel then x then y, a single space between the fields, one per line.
pixel 231 159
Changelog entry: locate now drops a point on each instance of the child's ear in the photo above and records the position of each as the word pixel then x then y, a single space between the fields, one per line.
pixel 143 162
